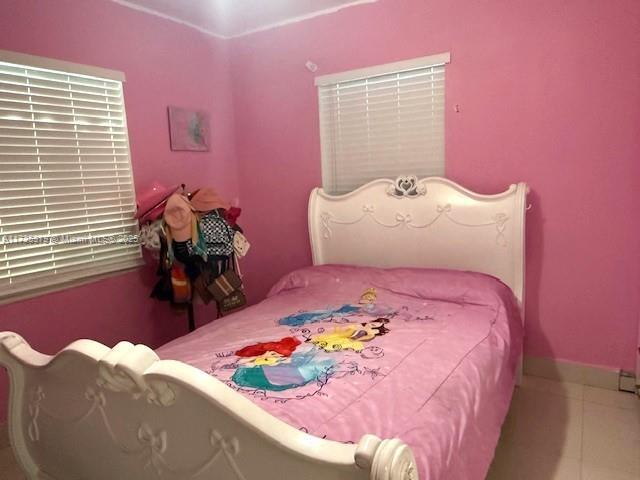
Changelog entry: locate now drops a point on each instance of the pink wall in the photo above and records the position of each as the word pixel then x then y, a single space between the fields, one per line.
pixel 165 64
pixel 548 93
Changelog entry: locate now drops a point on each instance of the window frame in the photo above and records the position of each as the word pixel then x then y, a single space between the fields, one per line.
pixel 327 135
pixel 99 272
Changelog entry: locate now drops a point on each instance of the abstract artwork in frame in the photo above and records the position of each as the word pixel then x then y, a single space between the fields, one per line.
pixel 189 129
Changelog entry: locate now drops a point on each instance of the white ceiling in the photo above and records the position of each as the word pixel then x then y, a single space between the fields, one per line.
pixel 232 18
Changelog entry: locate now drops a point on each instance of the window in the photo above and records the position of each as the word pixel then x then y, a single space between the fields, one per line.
pixel 382 122
pixel 66 189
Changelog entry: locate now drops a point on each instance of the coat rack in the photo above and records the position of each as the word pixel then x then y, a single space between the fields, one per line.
pixel 224 263
pixel 191 317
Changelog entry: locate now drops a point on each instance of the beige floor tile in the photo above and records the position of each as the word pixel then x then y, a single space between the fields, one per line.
pixel 9 469
pixel 521 463
pixel 549 424
pixel 532 466
pixel 4 437
pixel 509 424
pixel 611 398
pixel 571 390
pixel 597 473
pixel 502 463
pixel 611 437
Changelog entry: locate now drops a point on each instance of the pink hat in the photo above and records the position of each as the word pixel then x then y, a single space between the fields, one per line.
pixel 178 214
pixel 150 201
pixel 207 199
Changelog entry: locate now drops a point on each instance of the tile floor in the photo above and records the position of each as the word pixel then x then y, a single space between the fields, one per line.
pixel 566 431
pixel 554 431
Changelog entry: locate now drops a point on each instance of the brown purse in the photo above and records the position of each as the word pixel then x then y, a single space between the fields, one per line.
pixel 225 285
pixel 232 302
pixel 200 285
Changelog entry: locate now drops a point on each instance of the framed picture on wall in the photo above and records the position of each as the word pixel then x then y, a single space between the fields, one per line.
pixel 189 130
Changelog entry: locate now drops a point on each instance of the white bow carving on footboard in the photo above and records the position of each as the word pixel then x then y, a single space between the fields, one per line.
pixel 122 371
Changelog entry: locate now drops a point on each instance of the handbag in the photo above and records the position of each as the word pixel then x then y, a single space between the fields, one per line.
pixel 218 234
pixel 200 285
pixel 224 285
pixel 233 301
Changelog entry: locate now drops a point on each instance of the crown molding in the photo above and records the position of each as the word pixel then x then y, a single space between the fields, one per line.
pixel 301 18
pixel 151 11
pixel 270 26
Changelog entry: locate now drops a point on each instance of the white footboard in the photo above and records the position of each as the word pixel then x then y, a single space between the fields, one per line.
pixel 95 413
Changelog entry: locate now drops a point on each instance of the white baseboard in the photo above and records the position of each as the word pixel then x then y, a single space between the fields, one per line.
pixel 564 371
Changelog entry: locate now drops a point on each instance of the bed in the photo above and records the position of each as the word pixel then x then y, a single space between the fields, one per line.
pixel 392 357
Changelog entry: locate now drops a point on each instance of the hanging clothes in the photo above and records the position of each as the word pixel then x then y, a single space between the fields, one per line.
pixel 231 216
pixel 162 290
pixel 174 285
pixel 198 249
pixel 180 284
pixel 183 225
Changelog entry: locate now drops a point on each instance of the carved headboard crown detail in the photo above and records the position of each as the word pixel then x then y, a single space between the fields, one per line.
pixel 431 222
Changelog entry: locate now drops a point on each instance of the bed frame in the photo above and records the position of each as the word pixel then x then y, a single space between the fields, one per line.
pixel 432 222
pixel 98 413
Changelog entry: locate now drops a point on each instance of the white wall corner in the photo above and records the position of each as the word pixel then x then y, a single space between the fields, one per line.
pixel 300 18
pixel 157 13
pixel 243 33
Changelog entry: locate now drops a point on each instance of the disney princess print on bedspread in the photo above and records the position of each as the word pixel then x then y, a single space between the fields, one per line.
pixel 427 356
pixel 321 346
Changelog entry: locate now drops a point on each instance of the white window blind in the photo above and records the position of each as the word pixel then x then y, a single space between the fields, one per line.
pixel 382 122
pixel 66 189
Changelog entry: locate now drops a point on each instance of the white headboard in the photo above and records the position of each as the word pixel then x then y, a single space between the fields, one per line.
pixel 432 222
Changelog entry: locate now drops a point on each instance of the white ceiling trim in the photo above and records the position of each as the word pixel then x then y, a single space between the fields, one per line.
pixel 270 26
pixel 302 18
pixel 151 11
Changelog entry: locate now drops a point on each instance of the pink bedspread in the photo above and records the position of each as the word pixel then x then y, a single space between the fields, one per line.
pixel 430 359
